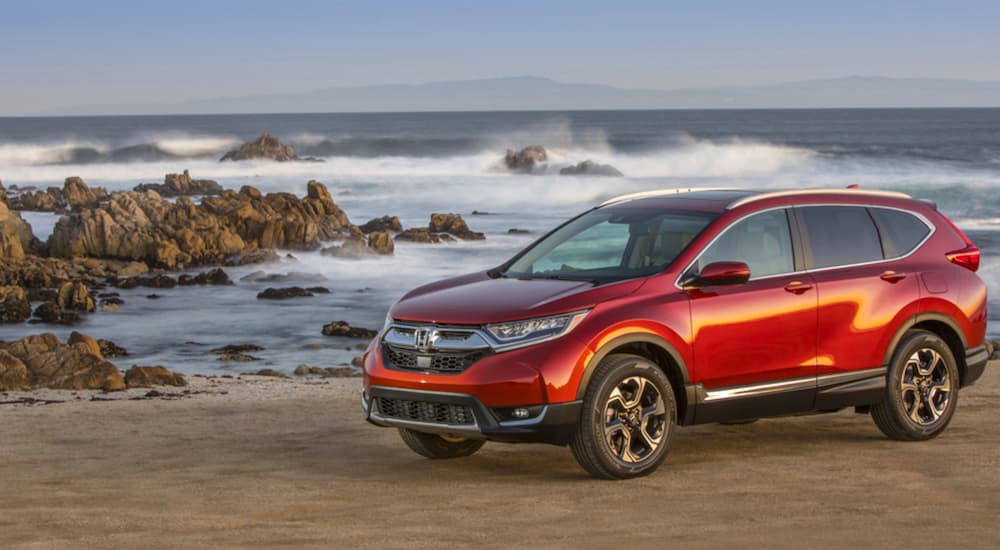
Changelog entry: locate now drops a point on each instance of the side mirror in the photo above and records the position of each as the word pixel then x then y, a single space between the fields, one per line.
pixel 721 273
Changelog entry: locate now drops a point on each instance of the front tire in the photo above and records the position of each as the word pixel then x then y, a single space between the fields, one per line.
pixel 628 419
pixel 921 389
pixel 439 446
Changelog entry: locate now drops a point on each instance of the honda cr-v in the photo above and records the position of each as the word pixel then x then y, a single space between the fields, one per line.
pixel 687 307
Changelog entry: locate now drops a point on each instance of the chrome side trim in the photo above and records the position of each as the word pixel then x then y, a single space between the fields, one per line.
pixel 919 216
pixel 794 192
pixel 758 390
pixel 849 376
pixel 663 192
pixel 793 384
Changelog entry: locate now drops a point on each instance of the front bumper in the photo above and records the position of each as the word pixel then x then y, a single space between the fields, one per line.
pixel 464 415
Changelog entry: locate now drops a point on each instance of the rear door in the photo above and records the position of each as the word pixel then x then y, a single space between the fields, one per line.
pixel 861 294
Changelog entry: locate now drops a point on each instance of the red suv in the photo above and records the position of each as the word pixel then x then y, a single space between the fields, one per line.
pixel 688 307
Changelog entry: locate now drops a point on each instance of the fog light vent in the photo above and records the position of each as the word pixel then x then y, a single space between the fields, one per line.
pixel 512 414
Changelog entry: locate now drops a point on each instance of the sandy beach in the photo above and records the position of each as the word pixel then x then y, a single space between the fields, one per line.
pixel 262 462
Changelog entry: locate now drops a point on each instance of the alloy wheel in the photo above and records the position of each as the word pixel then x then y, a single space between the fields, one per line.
pixel 925 387
pixel 635 419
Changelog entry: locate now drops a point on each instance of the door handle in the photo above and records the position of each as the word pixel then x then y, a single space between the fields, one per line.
pixel 892 277
pixel 797 287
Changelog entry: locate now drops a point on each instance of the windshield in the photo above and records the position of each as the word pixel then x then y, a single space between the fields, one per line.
pixel 611 244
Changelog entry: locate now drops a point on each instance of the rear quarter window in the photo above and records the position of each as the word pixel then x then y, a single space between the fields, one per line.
pixel 901 231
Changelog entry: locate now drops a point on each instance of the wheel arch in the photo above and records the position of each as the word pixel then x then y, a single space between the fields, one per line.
pixel 937 323
pixel 655 349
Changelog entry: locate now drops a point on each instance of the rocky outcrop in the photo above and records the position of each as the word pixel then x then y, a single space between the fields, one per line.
pixel 342 328
pixel 75 365
pixel 421 235
pixel 74 296
pixel 175 235
pixel 75 193
pixel 16 238
pixel 53 314
pixel 264 147
pixel 590 168
pixel 296 276
pixel 385 223
pixel 281 220
pixel 380 242
pixel 110 349
pixel 235 348
pixel 525 160
pixel 216 277
pixel 358 246
pixel 14 305
pixel 38 274
pixel 145 377
pixel 181 185
pixel 284 293
pixel 453 224
pixel 13 373
pixel 442 227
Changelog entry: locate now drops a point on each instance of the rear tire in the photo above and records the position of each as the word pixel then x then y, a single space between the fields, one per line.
pixel 439 446
pixel 921 389
pixel 628 419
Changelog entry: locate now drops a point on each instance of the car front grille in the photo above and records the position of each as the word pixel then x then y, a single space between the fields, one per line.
pixel 444 362
pixel 425 411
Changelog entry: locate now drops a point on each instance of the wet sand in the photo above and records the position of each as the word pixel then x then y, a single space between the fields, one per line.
pixel 265 463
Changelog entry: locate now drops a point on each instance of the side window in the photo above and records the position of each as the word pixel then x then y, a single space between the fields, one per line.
pixel 901 231
pixel 762 241
pixel 840 235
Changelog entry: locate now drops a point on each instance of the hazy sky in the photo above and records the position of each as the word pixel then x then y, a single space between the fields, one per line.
pixel 62 53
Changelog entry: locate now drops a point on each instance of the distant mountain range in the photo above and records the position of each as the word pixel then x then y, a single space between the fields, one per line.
pixel 536 93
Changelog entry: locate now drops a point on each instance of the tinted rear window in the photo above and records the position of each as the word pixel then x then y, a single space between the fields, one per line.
pixel 901 231
pixel 840 235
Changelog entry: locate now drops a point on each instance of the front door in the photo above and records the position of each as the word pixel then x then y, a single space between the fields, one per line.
pixel 755 344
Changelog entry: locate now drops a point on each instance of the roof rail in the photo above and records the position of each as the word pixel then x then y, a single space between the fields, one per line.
pixel 792 192
pixel 663 192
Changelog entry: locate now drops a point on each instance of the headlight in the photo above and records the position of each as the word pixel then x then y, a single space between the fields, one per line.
pixel 531 331
pixel 385 325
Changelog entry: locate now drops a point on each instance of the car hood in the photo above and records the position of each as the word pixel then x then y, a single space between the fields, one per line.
pixel 477 299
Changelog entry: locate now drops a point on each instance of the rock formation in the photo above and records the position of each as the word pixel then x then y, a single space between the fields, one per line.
pixel 74 194
pixel 146 227
pixel 16 238
pixel 385 223
pixel 14 305
pixel 181 185
pixel 284 293
pixel 524 161
pixel 264 147
pixel 75 365
pixel 442 227
pixel 342 328
pixel 145 377
pixel 590 168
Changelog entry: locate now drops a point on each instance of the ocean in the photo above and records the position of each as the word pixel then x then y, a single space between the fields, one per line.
pixel 412 164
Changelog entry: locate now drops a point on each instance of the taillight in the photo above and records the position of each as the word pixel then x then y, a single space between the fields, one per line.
pixel 967 257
